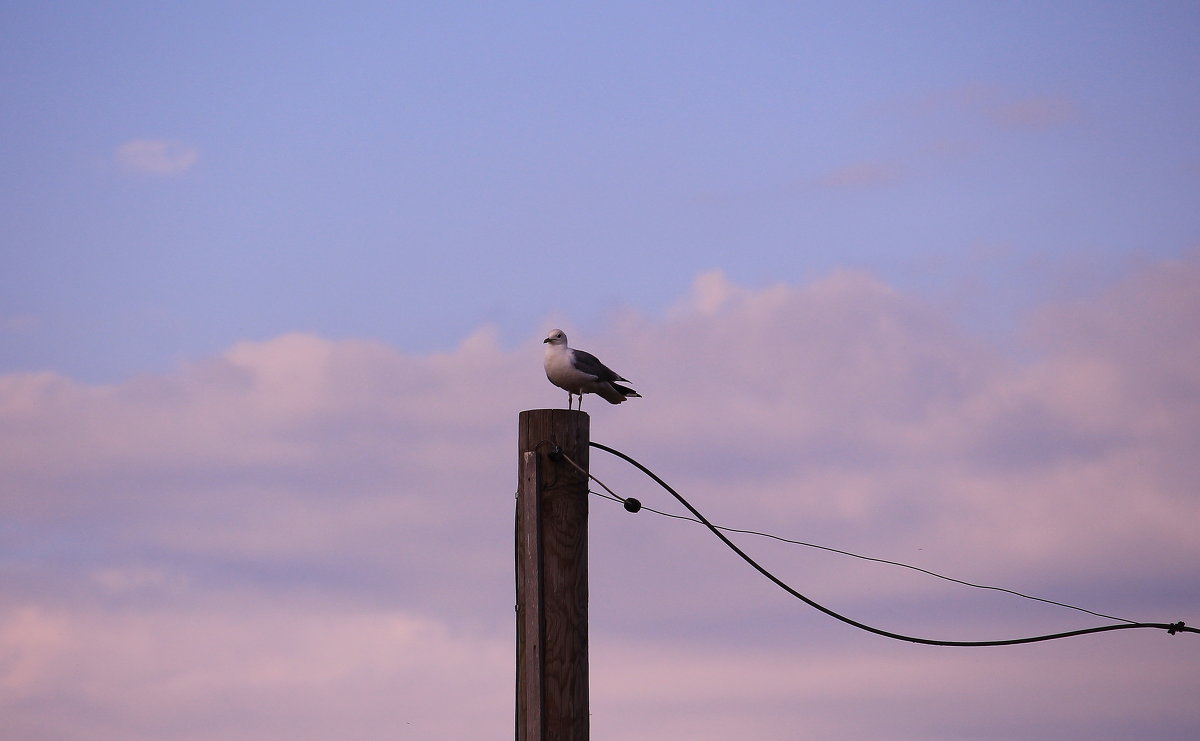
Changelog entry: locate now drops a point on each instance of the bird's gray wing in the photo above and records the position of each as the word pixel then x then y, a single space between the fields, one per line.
pixel 586 362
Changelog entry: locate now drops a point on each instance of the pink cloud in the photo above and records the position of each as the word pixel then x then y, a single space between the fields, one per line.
pixel 249 669
pixel 299 531
pixel 1034 113
pixel 1001 105
pixel 863 175
pixel 156 156
pixel 19 323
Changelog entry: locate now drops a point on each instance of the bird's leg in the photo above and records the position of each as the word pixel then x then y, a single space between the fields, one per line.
pixel 569 400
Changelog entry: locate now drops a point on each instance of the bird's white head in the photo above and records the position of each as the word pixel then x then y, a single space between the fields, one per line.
pixel 556 337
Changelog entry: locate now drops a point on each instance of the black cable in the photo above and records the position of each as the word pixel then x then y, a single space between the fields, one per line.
pixel 1171 628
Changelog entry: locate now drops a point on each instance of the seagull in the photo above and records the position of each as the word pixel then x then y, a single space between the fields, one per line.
pixel 579 373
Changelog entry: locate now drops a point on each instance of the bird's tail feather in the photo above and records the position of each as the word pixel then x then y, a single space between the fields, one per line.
pixel 625 390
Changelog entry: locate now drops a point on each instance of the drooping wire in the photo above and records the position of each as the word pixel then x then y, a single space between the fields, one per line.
pixel 614 497
pixel 1171 628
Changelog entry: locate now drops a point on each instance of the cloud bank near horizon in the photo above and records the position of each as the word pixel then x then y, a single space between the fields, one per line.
pixel 301 533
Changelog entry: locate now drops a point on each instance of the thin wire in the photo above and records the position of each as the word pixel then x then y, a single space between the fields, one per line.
pixel 1171 628
pixel 617 498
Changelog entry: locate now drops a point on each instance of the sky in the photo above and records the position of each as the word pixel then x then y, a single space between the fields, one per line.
pixel 917 281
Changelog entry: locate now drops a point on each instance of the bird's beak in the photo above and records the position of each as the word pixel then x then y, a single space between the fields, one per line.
pixel 545 340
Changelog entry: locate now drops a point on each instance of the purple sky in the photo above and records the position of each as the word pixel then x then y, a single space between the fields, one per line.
pixel 920 282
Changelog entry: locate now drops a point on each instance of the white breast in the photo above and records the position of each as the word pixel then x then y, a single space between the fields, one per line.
pixel 562 374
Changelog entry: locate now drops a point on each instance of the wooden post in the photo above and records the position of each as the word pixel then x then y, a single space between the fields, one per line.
pixel 552 585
